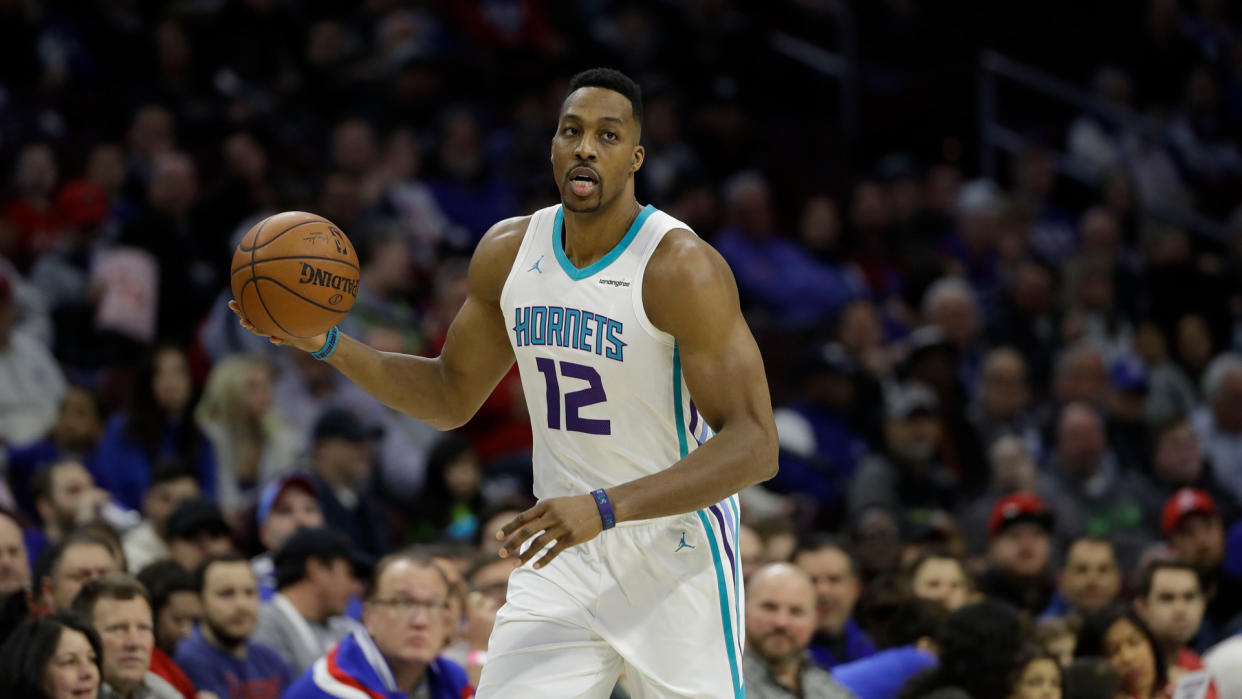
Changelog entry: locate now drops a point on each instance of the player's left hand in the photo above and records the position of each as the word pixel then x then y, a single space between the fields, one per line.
pixel 568 521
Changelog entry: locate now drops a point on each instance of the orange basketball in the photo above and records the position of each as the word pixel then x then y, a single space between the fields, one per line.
pixel 295 274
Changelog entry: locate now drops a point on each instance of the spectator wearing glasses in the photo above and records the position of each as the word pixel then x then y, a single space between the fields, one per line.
pixel 398 653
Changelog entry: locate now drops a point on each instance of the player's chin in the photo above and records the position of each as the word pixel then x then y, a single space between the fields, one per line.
pixel 581 205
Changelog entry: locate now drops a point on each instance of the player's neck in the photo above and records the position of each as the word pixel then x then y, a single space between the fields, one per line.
pixel 589 236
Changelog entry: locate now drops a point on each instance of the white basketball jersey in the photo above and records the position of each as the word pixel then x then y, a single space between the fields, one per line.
pixel 607 400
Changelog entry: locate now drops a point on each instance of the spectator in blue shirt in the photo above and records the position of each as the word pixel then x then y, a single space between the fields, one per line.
pixel 835 574
pixel 218 656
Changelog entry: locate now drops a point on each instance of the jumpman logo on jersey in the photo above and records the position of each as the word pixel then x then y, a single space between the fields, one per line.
pixel 683 544
pixel 535 267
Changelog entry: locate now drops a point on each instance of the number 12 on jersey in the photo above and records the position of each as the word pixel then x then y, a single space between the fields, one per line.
pixel 575 400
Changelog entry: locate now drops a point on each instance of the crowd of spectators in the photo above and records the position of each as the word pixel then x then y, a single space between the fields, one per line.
pixel 1010 410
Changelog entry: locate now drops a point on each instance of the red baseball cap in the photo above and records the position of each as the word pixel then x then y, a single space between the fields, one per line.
pixel 1019 507
pixel 1183 503
pixel 82 202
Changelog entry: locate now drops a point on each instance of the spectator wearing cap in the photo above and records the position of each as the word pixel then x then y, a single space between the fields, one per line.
pixel 1020 553
pixel 219 656
pixel 343 455
pixel 835 577
pixel 285 505
pixel 1089 580
pixel 1178 461
pixel 119 608
pixel 1171 602
pixel 1192 527
pixel 1219 422
pixel 33 384
pixel 780 620
pixel 1090 490
pixel 316 572
pixel 172 483
pixel 195 531
pixel 1013 470
pixel 397 654
pixel 14 563
pixel 907 474
pixel 253 443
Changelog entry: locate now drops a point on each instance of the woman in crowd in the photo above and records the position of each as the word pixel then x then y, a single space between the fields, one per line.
pixel 252 442
pixel 158 423
pixel 52 657
pixel 1038 675
pixel 1119 635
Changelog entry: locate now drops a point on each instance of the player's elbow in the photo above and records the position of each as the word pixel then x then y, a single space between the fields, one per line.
pixel 765 448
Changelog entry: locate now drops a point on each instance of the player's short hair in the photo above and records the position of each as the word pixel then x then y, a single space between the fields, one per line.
pixel 615 80
pixel 1149 574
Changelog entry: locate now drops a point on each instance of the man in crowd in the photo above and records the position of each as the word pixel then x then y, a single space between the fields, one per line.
pixel 65 497
pixel 219 656
pixel 397 654
pixel 315 575
pixel 780 620
pixel 196 530
pixel 285 505
pixel 834 575
pixel 118 607
pixel 1171 602
pixel 172 482
pixel 1194 531
pixel 14 565
pixel 1019 552
pixel 343 453
pixel 175 609
pixel 1090 578
pixel 75 560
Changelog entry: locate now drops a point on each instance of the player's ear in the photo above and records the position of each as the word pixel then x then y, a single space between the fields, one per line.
pixel 640 154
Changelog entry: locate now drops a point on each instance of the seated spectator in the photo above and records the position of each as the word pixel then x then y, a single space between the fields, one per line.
pixel 195 531
pixel 909 643
pixel 978 653
pixel 14 563
pixel 397 654
pixel 1122 637
pixel 75 436
pixel 1219 423
pixel 287 504
pixel 252 442
pixel 951 305
pixel 941 578
pixel 1057 635
pixel 1038 675
pixel 1089 678
pixel 1003 400
pixel 907 474
pixel 780 619
pixel 342 454
pixel 31 395
pixel 1171 603
pixel 158 424
pixel 72 562
pixel 452 494
pixel 219 656
pixel 834 576
pixel 175 608
pixel 1178 461
pixel 119 609
pixel 749 550
pixel 1090 579
pixel 172 483
pixel 315 575
pixel 52 657
pixel 1020 553
pixel 65 496
pixel 1193 530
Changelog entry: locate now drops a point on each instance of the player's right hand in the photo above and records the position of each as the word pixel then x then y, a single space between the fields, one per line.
pixel 309 344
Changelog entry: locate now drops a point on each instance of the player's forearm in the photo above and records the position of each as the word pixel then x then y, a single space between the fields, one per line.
pixel 416 386
pixel 734 459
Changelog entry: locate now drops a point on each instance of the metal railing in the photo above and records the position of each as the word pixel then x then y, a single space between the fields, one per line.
pixel 996 137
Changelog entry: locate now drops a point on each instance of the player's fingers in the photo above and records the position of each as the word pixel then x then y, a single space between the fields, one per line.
pixel 518 521
pixel 540 543
pixel 561 544
pixel 513 544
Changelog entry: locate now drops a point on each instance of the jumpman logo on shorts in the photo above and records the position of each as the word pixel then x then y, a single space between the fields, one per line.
pixel 535 267
pixel 683 544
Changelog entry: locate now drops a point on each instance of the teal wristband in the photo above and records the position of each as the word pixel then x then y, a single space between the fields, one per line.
pixel 329 345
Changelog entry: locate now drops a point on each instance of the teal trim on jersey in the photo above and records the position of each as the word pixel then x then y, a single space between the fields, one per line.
pixel 596 267
pixel 678 415
pixel 739 692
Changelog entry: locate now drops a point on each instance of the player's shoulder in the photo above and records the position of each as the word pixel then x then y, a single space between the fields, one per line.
pixel 683 261
pixel 494 255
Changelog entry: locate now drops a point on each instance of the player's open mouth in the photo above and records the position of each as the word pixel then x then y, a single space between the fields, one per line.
pixel 583 181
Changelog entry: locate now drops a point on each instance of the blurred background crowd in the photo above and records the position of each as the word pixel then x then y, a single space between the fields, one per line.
pixel 1006 359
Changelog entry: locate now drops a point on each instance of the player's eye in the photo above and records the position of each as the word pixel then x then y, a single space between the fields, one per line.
pixel 569 131
pixel 610 136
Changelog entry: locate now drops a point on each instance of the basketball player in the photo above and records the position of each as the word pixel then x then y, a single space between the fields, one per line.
pixel 650 411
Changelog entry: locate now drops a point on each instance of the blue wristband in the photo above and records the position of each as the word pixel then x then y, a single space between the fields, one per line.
pixel 605 508
pixel 329 345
